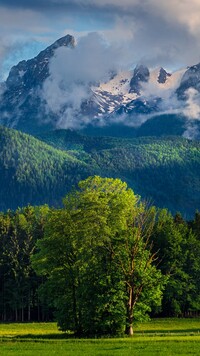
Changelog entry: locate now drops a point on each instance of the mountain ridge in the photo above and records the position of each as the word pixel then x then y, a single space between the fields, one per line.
pixel 128 109
pixel 130 97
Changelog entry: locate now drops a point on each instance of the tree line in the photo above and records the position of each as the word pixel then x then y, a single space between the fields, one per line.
pixel 100 263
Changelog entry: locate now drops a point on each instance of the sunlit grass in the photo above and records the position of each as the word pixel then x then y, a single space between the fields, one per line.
pixel 14 329
pixel 169 326
pixel 157 337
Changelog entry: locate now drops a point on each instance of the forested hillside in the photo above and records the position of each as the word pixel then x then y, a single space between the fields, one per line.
pixel 165 171
pixel 33 172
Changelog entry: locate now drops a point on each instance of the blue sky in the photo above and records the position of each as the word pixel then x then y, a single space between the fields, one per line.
pixel 157 32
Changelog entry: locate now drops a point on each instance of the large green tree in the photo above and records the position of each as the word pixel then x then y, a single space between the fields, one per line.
pixel 96 256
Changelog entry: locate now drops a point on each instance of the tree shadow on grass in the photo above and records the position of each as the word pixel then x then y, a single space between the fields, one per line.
pixel 70 336
pixel 39 337
pixel 167 332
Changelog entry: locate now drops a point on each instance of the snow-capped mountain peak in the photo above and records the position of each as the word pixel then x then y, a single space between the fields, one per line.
pixel 142 84
pixel 140 91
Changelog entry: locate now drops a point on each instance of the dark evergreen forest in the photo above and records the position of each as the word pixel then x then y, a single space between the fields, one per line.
pixel 88 264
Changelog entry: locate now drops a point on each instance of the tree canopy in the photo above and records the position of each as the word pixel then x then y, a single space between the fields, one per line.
pixel 102 262
pixel 97 258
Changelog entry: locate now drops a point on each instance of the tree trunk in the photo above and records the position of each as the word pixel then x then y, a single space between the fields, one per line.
pixel 29 312
pixel 38 313
pixel 22 313
pixel 43 315
pixel 38 309
pixel 75 309
pixel 4 310
pixel 29 306
pixel 129 329
pixel 16 315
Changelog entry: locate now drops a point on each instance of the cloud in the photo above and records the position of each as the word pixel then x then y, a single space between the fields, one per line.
pixel 152 89
pixel 157 31
pixel 12 50
pixel 17 21
pixel 171 105
pixel 8 49
pixel 72 74
pixel 68 89
pixel 185 12
pixel 192 131
pixel 23 34
pixel 182 12
pixel 192 109
pixel 192 113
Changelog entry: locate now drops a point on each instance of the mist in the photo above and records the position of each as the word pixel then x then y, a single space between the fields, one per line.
pixel 73 72
pixel 192 113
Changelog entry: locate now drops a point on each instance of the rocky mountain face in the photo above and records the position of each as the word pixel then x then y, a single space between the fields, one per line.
pixel 27 75
pixel 129 97
pixel 163 76
pixel 190 79
pixel 140 75
pixel 140 92
pixel 21 104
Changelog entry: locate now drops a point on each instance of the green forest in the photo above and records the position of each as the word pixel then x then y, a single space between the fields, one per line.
pixel 42 170
pixel 103 261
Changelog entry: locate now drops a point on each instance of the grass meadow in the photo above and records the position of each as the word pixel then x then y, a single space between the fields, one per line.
pixel 157 337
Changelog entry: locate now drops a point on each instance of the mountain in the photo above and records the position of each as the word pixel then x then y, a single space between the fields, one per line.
pixel 190 79
pixel 128 126
pixel 135 93
pixel 21 104
pixel 141 75
pixel 126 98
pixel 165 171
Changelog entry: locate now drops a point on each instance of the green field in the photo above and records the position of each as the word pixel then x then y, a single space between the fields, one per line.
pixel 158 337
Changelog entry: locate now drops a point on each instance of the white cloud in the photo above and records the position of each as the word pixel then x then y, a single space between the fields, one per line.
pixel 164 33
pixel 192 109
pixel 185 12
pixel 19 22
pixel 73 71
pixel 157 32
pixel 192 113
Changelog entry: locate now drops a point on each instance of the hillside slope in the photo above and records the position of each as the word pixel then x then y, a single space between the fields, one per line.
pixel 33 172
pixel 164 170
